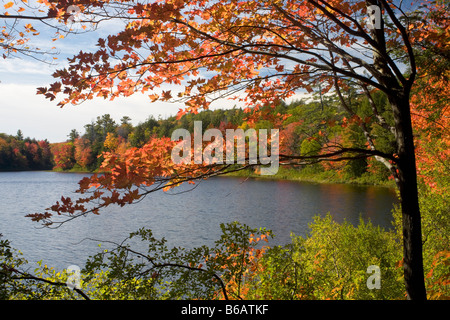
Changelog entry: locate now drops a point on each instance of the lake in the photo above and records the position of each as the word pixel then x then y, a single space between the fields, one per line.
pixel 187 219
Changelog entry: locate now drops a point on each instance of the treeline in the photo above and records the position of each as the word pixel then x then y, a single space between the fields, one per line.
pixel 19 153
pixel 83 151
pixel 307 128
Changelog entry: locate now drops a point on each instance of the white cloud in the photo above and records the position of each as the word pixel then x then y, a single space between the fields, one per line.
pixel 11 67
pixel 39 118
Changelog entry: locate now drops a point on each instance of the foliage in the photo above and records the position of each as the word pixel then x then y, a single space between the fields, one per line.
pixel 16 283
pixel 17 153
pixel 64 155
pixel 281 48
pixel 331 263
pixel 156 273
pixel 435 208
pixel 84 156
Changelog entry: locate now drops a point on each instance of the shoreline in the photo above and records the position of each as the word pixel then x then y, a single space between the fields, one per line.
pixel 284 174
pixel 325 177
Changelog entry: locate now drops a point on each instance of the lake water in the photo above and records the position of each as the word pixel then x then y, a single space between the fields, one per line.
pixel 185 219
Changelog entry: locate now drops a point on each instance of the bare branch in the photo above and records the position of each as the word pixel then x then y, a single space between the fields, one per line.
pixel 27 276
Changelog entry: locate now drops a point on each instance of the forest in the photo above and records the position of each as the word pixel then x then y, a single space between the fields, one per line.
pixel 303 269
pixel 377 72
pixel 19 153
pixel 307 128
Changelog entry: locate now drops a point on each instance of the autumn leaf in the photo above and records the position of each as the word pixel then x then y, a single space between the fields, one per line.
pixel 153 97
pixel 166 95
pixel 9 5
pixel 279 50
pixel 41 90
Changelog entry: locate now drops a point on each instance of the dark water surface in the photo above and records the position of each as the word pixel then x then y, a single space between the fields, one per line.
pixel 185 219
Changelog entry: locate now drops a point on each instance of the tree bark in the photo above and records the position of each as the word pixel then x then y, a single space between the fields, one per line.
pixel 407 184
pixel 398 91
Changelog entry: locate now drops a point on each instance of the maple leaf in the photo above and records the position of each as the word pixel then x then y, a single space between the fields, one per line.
pixel 55 87
pixel 153 97
pixel 8 5
pixel 41 90
pixel 166 95
pixel 280 49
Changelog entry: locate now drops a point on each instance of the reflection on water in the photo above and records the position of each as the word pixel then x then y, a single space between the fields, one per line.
pixel 185 219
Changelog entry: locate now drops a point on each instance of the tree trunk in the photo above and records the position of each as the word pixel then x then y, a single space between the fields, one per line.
pixel 407 183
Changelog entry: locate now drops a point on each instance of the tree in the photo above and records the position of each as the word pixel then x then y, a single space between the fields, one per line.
pixel 47 156
pixel 268 50
pixel 111 142
pixel 125 120
pixel 63 154
pixel 19 135
pixel 104 125
pixel 430 99
pixel 125 127
pixel 73 135
pixel 83 153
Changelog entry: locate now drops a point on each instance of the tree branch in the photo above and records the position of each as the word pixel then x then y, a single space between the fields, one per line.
pixel 19 17
pixel 27 276
pixel 407 43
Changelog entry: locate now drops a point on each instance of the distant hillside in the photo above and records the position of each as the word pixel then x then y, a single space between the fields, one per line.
pixel 18 153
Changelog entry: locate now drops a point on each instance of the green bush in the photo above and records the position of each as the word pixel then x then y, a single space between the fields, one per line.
pixel 331 263
pixel 435 213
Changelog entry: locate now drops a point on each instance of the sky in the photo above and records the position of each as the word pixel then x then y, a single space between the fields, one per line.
pixel 22 109
pixel 40 118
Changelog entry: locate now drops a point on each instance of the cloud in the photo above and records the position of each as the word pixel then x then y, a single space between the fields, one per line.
pixel 15 68
pixel 21 108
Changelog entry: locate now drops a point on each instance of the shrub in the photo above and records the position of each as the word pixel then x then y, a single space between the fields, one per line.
pixel 435 213
pixel 331 263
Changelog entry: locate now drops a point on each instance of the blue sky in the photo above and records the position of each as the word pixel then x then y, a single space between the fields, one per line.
pixel 37 117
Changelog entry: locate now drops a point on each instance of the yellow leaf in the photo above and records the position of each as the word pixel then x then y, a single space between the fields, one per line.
pixel 122 75
pixel 153 97
pixel 8 5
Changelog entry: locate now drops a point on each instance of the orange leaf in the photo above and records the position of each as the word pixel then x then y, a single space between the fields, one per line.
pixel 8 5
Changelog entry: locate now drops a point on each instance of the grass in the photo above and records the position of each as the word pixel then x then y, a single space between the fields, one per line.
pixel 306 174
pixel 316 176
